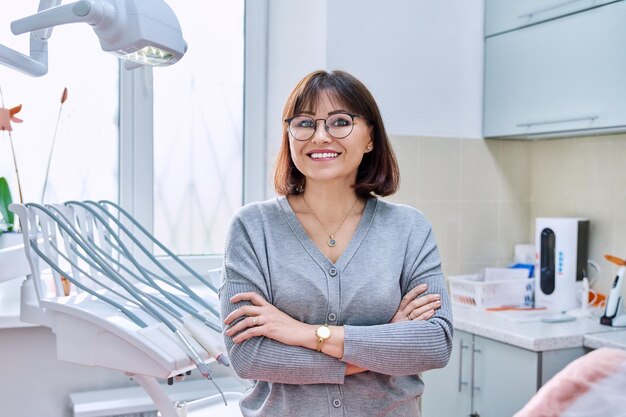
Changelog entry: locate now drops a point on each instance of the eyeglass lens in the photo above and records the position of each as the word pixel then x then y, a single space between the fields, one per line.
pixel 337 125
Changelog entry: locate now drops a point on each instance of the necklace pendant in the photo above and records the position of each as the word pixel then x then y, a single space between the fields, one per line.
pixel 332 242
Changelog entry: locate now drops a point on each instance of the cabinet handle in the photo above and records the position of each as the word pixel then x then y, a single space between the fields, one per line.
pixel 462 347
pixel 550 122
pixel 473 382
pixel 547 9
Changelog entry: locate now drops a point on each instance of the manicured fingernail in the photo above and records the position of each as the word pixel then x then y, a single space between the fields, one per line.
pixel 422 286
pixel 437 297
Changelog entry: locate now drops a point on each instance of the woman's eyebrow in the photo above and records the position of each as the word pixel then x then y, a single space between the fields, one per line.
pixel 330 113
pixel 338 111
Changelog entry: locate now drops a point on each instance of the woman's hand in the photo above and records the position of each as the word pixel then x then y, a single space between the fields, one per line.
pixel 263 319
pixel 416 307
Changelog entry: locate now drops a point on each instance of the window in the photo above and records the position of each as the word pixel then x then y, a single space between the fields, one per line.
pixel 198 124
pixel 84 163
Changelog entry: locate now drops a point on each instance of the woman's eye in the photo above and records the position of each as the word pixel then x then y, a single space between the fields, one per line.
pixel 341 121
pixel 306 123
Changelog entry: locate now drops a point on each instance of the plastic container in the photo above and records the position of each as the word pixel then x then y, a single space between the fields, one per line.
pixel 473 291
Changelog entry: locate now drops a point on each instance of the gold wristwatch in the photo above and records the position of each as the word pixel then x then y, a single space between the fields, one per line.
pixel 322 333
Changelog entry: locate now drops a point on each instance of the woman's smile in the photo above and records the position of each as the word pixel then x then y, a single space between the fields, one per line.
pixel 323 155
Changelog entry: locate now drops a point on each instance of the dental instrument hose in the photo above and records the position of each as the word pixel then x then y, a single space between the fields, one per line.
pixel 160 245
pixel 130 288
pixel 188 290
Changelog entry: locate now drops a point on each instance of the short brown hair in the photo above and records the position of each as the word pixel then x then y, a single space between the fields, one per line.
pixel 378 172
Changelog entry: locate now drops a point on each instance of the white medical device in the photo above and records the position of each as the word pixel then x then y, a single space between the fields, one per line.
pixel 561 245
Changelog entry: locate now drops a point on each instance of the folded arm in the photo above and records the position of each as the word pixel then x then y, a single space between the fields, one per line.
pixel 393 348
pixel 265 359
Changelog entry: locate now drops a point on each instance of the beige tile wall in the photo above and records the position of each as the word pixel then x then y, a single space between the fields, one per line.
pixel 587 179
pixel 482 196
pixel 474 192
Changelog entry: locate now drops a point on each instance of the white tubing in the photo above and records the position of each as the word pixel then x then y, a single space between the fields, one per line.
pixel 206 338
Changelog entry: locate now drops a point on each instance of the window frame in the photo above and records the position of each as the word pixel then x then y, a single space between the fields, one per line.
pixel 136 158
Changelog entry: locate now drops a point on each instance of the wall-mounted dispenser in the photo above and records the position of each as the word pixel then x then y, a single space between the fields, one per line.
pixel 561 245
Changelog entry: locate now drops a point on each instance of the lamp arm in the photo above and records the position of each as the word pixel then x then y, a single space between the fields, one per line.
pixel 35 65
pixel 88 11
pixel 43 5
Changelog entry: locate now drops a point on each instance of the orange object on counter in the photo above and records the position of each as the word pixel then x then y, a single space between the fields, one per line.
pixel 597 299
pixel 513 308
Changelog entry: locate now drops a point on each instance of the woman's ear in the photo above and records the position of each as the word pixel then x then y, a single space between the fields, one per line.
pixel 370 144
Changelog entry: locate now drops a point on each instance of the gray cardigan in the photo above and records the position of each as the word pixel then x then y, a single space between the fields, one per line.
pixel 391 251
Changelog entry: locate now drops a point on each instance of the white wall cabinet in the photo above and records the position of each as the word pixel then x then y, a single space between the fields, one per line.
pixel 487 378
pixel 505 15
pixel 564 77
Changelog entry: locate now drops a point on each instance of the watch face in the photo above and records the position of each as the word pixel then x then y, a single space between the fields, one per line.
pixel 323 332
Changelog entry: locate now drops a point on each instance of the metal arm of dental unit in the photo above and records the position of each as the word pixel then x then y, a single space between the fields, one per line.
pixel 113 304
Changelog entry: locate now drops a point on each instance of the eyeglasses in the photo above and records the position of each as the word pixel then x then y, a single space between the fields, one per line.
pixel 338 125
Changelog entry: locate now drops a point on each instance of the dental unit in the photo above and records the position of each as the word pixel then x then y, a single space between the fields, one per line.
pixel 112 303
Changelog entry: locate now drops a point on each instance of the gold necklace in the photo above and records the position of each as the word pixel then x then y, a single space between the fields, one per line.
pixel 332 242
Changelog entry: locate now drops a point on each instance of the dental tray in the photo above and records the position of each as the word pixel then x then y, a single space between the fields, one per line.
pixel 473 291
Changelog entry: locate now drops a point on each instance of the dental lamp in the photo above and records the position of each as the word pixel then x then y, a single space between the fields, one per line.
pixel 142 32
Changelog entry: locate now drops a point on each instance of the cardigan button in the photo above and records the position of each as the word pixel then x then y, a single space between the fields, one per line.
pixel 336 403
pixel 332 317
pixel 332 272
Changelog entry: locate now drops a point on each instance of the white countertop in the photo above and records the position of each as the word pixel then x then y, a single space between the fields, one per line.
pixel 616 339
pixel 526 330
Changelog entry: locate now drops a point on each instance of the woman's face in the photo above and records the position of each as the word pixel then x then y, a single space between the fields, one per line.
pixel 324 158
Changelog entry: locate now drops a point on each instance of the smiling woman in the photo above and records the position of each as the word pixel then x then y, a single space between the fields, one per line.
pixel 333 299
pixel 335 151
pixel 339 95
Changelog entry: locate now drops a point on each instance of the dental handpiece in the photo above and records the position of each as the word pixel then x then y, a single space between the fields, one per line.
pixel 612 303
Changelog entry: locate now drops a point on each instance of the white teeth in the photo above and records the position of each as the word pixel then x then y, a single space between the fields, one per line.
pixel 319 155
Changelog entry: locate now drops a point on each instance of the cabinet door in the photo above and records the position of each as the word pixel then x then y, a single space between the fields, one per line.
pixel 447 391
pixel 504 15
pixel 562 77
pixel 505 377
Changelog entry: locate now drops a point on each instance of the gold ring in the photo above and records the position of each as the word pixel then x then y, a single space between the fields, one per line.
pixel 255 321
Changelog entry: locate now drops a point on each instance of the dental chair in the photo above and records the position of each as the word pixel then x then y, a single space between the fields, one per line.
pixel 112 304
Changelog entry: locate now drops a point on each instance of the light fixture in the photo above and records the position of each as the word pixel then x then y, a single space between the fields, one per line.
pixel 142 32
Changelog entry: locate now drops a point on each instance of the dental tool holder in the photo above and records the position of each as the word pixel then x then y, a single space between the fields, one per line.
pixel 119 314
pixel 618 319
pixel 613 310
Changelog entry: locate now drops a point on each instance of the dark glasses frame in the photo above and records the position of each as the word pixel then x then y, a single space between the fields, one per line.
pixel 352 116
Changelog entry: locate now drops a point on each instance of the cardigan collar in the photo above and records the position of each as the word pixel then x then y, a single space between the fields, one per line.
pixel 311 247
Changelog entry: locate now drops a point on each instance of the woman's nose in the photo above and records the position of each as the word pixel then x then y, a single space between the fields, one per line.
pixel 321 135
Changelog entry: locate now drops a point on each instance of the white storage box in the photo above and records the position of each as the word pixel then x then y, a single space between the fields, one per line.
pixel 473 291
